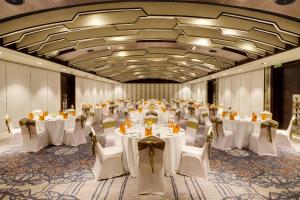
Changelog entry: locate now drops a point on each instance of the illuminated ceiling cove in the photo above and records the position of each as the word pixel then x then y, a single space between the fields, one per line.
pixel 137 40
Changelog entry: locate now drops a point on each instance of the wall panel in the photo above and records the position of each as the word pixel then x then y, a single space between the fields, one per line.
pixel 2 94
pixel 53 91
pixel 38 84
pixel 18 91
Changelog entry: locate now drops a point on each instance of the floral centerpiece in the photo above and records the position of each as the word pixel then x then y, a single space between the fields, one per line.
pixel 148 127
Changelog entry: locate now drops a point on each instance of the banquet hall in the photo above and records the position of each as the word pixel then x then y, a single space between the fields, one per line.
pixel 174 99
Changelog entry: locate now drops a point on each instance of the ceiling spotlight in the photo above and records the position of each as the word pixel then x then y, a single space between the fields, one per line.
pixel 15 2
pixel 263 63
pixel 109 47
pixel 193 48
pixel 283 2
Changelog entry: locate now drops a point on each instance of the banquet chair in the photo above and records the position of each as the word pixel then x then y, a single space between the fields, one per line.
pixel 75 136
pixel 222 139
pixel 263 143
pixel 152 118
pixel 108 163
pixel 150 176
pixel 190 132
pixel 195 161
pixel 37 113
pixel 283 136
pixel 15 133
pixel 206 119
pixel 88 123
pixel 109 125
pixel 33 139
pixel 164 117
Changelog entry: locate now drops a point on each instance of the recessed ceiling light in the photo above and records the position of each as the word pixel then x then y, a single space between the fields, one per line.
pixel 193 48
pixel 224 74
pixel 108 47
pixel 284 2
pixel 0 52
pixel 15 2
pixel 64 70
pixel 39 63
pixel 263 63
pixel 203 42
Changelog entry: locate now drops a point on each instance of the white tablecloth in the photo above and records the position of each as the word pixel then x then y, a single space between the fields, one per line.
pixel 242 130
pixel 172 151
pixel 55 129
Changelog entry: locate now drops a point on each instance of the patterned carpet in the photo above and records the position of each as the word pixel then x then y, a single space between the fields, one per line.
pixel 65 173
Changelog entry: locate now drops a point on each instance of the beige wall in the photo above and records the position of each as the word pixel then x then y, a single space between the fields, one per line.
pixel 152 91
pixel 243 92
pixel 23 89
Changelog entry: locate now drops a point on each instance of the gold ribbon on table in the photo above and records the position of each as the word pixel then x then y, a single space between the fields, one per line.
pixel 217 121
pixel 27 122
pixel 192 124
pixel 7 121
pixel 269 124
pixel 152 143
pixel 94 142
pixel 209 139
pixel 109 124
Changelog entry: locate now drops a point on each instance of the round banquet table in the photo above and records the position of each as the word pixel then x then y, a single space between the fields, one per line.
pixel 242 130
pixel 55 128
pixel 129 143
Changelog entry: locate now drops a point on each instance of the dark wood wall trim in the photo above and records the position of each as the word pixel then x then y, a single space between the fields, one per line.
pixel 67 85
pixel 285 82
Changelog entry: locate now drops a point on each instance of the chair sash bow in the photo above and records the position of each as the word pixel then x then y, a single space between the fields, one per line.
pixel 192 124
pixel 109 124
pixel 218 122
pixel 152 143
pixel 27 122
pixel 94 142
pixel 269 124
pixel 209 139
pixel 7 121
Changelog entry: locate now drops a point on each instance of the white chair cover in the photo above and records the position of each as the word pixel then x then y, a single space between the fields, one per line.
pixel 108 163
pixel 222 139
pixel 15 133
pixel 109 126
pixel 195 161
pixel 260 142
pixel 149 181
pixel 191 130
pixel 75 136
pixel 33 140
pixel 37 113
pixel 283 136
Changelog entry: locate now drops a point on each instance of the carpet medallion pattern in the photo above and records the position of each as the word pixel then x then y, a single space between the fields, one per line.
pixel 65 173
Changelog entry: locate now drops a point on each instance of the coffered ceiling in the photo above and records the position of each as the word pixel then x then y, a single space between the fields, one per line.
pixel 135 40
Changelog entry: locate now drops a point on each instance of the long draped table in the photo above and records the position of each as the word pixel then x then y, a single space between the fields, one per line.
pixel 129 143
